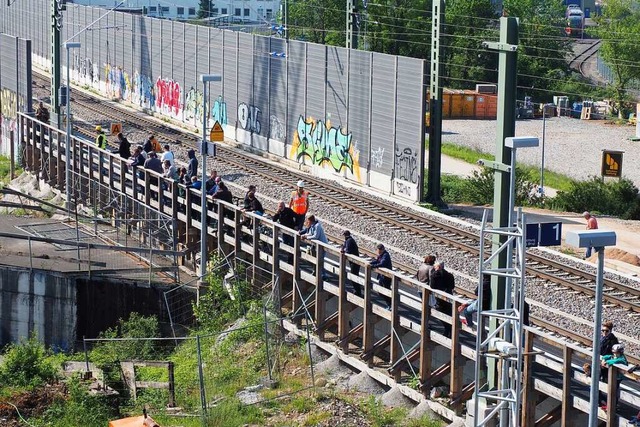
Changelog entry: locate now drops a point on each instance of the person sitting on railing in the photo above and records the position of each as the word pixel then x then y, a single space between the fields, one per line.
pixel 607 341
pixel 467 309
pixel 616 358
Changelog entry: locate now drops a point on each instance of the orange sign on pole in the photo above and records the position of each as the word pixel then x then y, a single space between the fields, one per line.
pixel 116 128
pixel 612 163
pixel 216 134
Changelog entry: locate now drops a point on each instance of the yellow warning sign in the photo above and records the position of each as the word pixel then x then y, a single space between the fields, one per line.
pixel 216 134
pixel 116 128
pixel 612 163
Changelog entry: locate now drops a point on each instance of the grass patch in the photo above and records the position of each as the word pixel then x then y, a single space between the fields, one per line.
pixel 551 179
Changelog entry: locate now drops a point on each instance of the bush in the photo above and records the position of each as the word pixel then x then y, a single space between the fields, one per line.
pixel 26 364
pixel 617 198
pixel 478 189
pixel 137 326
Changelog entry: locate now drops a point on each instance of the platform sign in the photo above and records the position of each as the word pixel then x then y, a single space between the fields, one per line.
pixel 612 163
pixel 550 234
pixel 532 235
pixel 116 128
pixel 544 234
pixel 216 134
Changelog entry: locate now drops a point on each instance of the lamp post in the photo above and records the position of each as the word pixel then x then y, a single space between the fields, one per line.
pixel 67 150
pixel 205 79
pixel 544 131
pixel 597 239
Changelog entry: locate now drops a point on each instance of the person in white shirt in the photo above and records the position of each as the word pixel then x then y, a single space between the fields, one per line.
pixel 167 154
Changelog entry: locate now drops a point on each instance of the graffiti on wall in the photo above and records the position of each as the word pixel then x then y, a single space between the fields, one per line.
pixel 219 111
pixel 87 70
pixel 249 117
pixel 193 104
pixel 9 104
pixel 118 83
pixel 324 144
pixel 276 129
pixel 168 97
pixel 377 157
pixel 143 93
pixel 406 165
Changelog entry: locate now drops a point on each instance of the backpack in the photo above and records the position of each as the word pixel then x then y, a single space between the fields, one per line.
pixel 156 146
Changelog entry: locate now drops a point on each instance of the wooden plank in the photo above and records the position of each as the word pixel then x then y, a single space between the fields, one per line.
pixel 567 400
pixel 529 400
pixel 426 346
pixel 396 332
pixel 457 361
pixel 368 318
pixel 612 396
pixel 321 295
pixel 381 344
pixel 343 304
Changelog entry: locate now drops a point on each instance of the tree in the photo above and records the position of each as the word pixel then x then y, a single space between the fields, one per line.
pixel 399 27
pixel 205 9
pixel 618 27
pixel 543 47
pixel 468 24
pixel 317 21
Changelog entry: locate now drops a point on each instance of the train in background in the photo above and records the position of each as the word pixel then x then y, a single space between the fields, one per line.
pixel 575 21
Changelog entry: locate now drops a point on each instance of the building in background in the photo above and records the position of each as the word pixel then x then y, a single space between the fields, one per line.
pixel 222 12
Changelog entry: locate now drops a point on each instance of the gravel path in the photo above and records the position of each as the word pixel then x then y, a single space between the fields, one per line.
pixel 563 150
pixel 572 147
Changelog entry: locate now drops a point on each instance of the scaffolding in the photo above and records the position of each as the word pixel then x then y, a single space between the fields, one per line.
pixel 504 342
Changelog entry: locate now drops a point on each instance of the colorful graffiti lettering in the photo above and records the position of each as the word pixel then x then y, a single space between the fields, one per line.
pixel 249 117
pixel 377 157
pixel 118 83
pixel 276 129
pixel 142 93
pixel 406 165
pixel 324 144
pixel 168 97
pixel 219 111
pixel 193 105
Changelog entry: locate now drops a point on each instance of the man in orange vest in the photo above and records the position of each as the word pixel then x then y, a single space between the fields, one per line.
pixel 299 203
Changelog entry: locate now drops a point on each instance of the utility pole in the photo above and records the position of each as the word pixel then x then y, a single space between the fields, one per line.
pixel 435 106
pixel 352 31
pixel 56 25
pixel 506 127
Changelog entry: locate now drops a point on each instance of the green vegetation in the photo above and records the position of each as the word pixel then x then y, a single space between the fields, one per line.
pixel 551 179
pixel 233 357
pixel 617 198
pixel 5 169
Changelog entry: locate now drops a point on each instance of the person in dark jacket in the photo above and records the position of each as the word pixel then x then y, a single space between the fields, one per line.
pixel 443 280
pixel 223 193
pixel 153 163
pixel 124 146
pixel 607 341
pixel 192 167
pixel 467 309
pixel 383 260
pixel 148 145
pixel 137 159
pixel 246 203
pixel 287 218
pixel 350 246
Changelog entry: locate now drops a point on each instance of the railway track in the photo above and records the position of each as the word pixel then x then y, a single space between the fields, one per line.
pixel 580 59
pixel 565 276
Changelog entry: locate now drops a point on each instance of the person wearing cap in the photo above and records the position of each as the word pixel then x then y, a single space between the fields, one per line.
pixel 383 260
pixel 101 139
pixel 592 224
pixel 350 246
pixel 299 203
pixel 616 358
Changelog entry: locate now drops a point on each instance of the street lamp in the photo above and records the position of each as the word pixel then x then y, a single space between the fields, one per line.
pixel 204 78
pixel 544 131
pixel 597 239
pixel 67 150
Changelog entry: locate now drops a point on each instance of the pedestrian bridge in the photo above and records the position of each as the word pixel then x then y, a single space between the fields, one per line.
pixel 404 345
